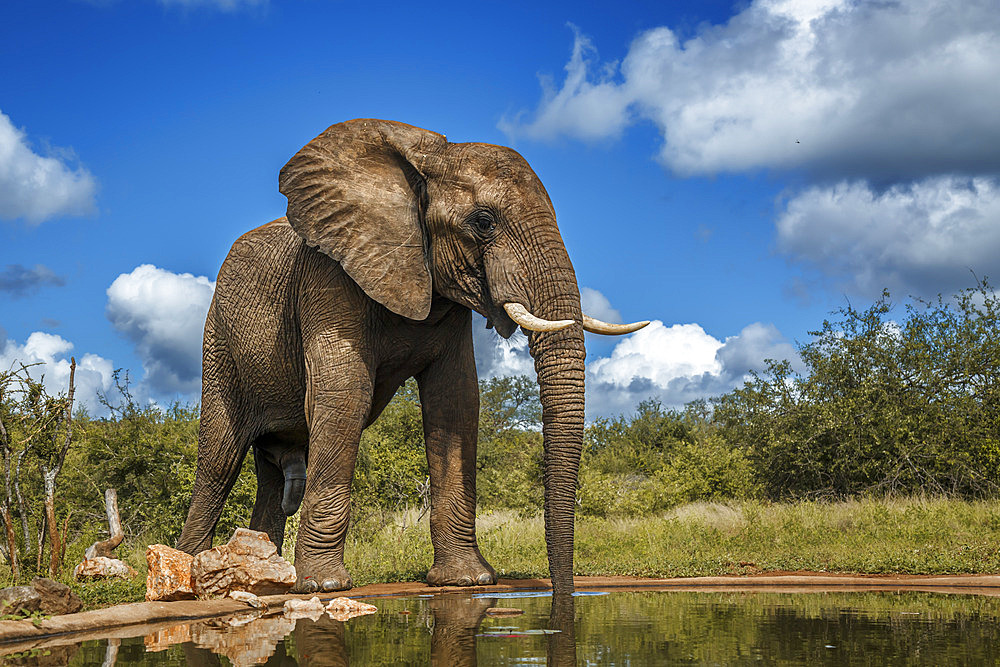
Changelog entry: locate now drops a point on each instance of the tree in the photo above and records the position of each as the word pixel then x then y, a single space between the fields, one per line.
pixel 148 455
pixel 38 427
pixel 882 406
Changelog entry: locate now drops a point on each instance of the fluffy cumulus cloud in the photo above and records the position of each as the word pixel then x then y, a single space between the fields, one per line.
pixel 887 108
pixel 843 88
pixel 922 238
pixel 678 364
pixel 496 357
pixel 37 187
pixel 675 364
pixel 163 314
pixel 18 281
pixel 49 356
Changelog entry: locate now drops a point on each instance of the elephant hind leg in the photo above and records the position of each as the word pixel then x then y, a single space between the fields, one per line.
pixel 224 437
pixel 219 466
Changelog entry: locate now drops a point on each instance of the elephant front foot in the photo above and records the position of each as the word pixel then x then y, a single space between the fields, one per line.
pixel 312 581
pixel 473 572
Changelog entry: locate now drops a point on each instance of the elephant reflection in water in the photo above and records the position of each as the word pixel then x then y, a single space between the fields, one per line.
pixel 453 639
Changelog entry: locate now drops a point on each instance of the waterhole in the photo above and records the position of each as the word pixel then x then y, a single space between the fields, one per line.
pixel 620 628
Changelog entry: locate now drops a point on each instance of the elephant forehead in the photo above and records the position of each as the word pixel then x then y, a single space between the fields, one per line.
pixel 474 161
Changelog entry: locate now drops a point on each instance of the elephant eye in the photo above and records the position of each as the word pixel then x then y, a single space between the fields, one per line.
pixel 484 222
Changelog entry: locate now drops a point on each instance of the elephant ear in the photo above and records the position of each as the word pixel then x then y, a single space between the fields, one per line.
pixel 356 193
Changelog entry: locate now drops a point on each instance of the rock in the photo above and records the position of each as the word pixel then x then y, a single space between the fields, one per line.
pixel 242 643
pixel 169 576
pixel 249 562
pixel 164 638
pixel 248 598
pixel 297 608
pixel 44 595
pixel 15 599
pixel 343 609
pixel 102 567
pixel 57 598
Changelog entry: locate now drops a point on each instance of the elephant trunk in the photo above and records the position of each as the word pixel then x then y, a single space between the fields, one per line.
pixel 559 363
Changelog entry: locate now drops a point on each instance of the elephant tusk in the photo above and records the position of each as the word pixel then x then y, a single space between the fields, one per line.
pixel 523 316
pixel 598 327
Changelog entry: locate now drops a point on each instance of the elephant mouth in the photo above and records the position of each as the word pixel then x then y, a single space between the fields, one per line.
pixel 499 320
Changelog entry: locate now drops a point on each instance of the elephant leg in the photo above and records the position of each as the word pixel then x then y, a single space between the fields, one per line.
pixel 337 410
pixel 267 515
pixel 449 396
pixel 223 441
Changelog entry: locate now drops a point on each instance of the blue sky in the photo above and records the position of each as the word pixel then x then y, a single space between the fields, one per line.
pixel 732 171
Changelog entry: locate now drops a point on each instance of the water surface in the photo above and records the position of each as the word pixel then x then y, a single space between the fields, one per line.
pixel 621 628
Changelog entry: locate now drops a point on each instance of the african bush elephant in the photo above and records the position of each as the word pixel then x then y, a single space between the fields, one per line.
pixel 392 236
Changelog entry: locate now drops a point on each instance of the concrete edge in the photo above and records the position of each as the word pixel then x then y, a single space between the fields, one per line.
pixel 139 618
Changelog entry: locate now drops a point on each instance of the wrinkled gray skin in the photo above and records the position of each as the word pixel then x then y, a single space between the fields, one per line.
pixel 392 236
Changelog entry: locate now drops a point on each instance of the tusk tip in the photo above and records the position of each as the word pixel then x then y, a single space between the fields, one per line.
pixel 593 325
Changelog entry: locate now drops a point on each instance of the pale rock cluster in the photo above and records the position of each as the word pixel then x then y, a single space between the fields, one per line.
pixel 102 567
pixel 248 563
pixel 339 609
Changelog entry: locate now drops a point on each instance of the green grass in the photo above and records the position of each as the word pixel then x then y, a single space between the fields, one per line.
pixel 910 535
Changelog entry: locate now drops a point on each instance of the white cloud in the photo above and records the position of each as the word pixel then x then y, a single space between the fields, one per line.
pixel 93 373
pixel 659 354
pixel 37 188
pixel 884 89
pixel 678 364
pixel 224 5
pixel 496 357
pixel 163 314
pixel 922 238
pixel 585 109
pixel 597 305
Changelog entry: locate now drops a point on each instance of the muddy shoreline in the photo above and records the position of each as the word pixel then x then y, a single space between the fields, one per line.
pixel 141 618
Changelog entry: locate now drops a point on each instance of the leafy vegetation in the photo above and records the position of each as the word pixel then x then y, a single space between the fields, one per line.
pixel 875 409
pixel 882 407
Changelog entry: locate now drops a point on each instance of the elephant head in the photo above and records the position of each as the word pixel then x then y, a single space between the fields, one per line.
pixel 409 215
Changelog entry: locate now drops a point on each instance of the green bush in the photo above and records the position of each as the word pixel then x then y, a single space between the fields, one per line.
pixel 656 459
pixel 882 406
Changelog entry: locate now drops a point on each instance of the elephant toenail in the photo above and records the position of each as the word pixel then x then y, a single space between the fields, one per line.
pixel 310 586
pixel 485 578
pixel 331 585
pixel 464 581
